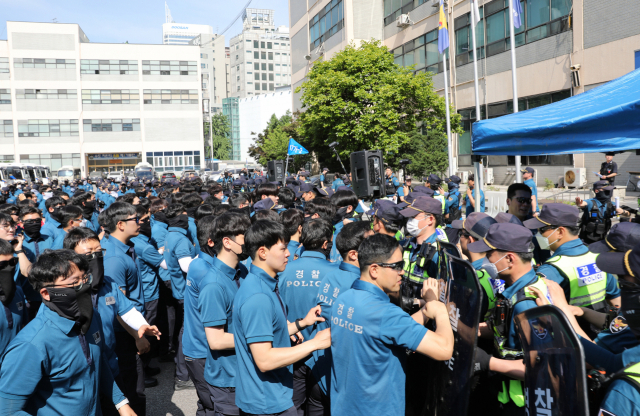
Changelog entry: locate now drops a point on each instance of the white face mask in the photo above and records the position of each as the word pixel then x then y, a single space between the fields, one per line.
pixel 413 228
pixel 83 223
pixel 496 262
pixel 543 242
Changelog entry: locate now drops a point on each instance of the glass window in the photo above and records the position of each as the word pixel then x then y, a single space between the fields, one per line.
pixel 326 23
pixel 537 12
pixel 495 27
pixel 109 67
pixel 48 128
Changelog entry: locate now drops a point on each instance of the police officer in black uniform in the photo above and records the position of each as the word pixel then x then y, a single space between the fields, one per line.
pixel 609 169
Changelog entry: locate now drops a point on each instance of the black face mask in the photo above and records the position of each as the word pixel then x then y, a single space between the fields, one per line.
pixel 32 228
pixel 246 210
pixel 630 309
pixel 160 217
pixel 56 214
pixel 145 228
pixel 208 250
pixel 88 208
pixel 191 212
pixel 326 251
pixel 243 253
pixel 603 196
pixel 7 284
pixel 341 214
pixel 181 221
pixel 72 305
pixel 96 268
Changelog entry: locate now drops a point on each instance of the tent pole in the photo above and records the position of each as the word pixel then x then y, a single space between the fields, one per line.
pixel 514 78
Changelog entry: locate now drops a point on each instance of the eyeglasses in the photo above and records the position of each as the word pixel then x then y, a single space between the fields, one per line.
pixel 87 279
pixel 11 263
pixel 523 200
pixel 98 254
pixel 136 219
pixel 8 226
pixel 397 266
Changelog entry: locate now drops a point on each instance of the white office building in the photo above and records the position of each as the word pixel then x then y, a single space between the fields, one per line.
pixel 182 33
pixel 260 57
pixel 67 101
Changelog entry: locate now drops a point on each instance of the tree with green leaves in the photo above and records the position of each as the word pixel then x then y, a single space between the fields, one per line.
pixel 363 100
pixel 427 151
pixel 221 140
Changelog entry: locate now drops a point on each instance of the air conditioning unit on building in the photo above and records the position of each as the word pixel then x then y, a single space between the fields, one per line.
pixel 463 175
pixel 488 176
pixel 403 20
pixel 575 177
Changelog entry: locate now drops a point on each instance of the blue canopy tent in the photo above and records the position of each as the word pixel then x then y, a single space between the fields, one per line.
pixel 604 119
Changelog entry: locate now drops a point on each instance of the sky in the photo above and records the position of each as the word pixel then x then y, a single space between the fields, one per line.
pixel 136 21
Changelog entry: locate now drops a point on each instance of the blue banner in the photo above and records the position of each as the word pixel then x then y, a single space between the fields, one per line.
pixel 296 148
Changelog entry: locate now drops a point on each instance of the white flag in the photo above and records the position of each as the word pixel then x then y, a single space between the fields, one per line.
pixel 475 12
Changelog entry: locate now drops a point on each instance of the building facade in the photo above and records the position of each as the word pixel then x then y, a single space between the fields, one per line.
pixel 260 57
pixel 67 101
pixel 183 33
pixel 556 39
pixel 231 110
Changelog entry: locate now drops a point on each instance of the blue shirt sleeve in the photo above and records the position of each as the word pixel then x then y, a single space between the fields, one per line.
pixel 620 400
pixel 551 273
pixel 123 303
pixel 600 358
pixel 255 315
pixel 58 241
pixel 116 270
pixel 212 302
pixel 514 339
pixel 398 328
pixel 21 373
pixel 613 291
pixel 183 249
pixel 108 385
pixel 151 256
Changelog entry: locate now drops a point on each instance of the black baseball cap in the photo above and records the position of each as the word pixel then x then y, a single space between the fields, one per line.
pixel 477 224
pixel 527 170
pixel 604 185
pixel 610 154
pixel 620 263
pixel 621 238
pixel 554 214
pixel 504 237
pixel 423 204
pixel 387 212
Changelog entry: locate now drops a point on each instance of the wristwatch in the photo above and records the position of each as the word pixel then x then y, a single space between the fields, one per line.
pixel 298 325
pixel 18 251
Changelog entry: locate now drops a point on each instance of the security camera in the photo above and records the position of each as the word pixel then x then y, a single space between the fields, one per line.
pixel 575 67
pixel 307 57
pixel 334 144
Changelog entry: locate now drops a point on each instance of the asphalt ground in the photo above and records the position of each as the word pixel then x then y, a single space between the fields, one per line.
pixel 163 400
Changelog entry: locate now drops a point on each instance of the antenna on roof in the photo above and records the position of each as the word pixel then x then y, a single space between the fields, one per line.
pixel 167 14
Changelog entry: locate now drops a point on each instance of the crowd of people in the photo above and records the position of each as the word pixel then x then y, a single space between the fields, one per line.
pixel 298 298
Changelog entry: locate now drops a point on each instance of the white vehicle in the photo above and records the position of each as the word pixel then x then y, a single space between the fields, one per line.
pixel 144 170
pixel 67 173
pixel 187 173
pixel 16 173
pixel 32 170
pixel 44 173
pixel 115 175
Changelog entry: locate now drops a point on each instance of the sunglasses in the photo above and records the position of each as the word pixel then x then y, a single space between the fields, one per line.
pixel 9 263
pixel 136 219
pixel 397 266
pixel 96 254
pixel 523 200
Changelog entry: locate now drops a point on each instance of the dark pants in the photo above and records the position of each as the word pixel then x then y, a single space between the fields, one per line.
pixel 151 315
pixel 224 401
pixel 131 372
pixel 318 403
pixel 195 368
pixel 300 371
pixel 289 412
pixel 181 364
pixel 166 319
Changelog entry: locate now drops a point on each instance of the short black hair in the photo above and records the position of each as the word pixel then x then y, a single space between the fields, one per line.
pixel 514 187
pixel 221 209
pixel 141 211
pixel 144 202
pixel 54 264
pixel 315 233
pixel 53 201
pixel 77 236
pixel 118 211
pixel 9 209
pixel 236 200
pixel 265 215
pixel 6 219
pixel 264 234
pixel 79 197
pixel 68 213
pixel 344 198
pixel 321 206
pixel 292 219
pixel 128 198
pixel 178 197
pixel 266 189
pixel 205 230
pixel 212 200
pixel 229 224
pixel 391 227
pixel 286 197
pixel 471 177
pixel 29 210
pixel 6 248
pixel 525 257
pixel 376 249
pixel 351 236
pixel 158 205
pixel 173 210
pixel 202 211
pixel 192 200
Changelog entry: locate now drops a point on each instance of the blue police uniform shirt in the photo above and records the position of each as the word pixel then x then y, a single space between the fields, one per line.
pixel 192 233
pixel 258 317
pixel 618 341
pixel 158 237
pixel 51 228
pixel 336 184
pixel 534 192
pixel 373 379
pixel 110 303
pixel 469 208
pixel 621 399
pixel 453 199
pixel 599 205
pixel 17 307
pixel 330 288
pixel 299 284
pixel 322 178
pixel 11 200
pixel 95 223
pixel 58 241
pixel 122 270
pixel 29 247
pixel 148 261
pixel 575 248
pixel 178 246
pixel 513 341
pixel 48 350
pixel 42 207
pixel 194 340
pixel 218 290
pixel 293 249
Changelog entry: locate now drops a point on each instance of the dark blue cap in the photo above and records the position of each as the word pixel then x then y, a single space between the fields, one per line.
pixel 238 182
pixel 305 187
pixel 477 224
pixel 413 195
pixel 344 188
pixel 434 179
pixel 554 214
pixel 424 190
pixel 326 191
pixel 621 263
pixel 622 237
pixel 506 217
pixel 504 237
pixel 387 212
pixel 266 203
pixel 325 169
pixel 604 185
pixel 453 178
pixel 528 170
pixel 422 204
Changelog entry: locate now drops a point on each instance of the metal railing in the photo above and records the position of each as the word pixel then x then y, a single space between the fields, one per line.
pixel 570 195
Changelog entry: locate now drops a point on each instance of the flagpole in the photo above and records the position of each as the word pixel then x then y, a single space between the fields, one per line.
pixel 477 165
pixel 514 79
pixel 446 101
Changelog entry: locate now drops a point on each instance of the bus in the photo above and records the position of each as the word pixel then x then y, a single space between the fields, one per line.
pixel 44 173
pixel 16 173
pixel 143 171
pixel 67 173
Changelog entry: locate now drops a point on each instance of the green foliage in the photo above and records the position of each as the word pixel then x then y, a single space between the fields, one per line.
pixel 363 100
pixel 427 153
pixel 548 184
pixel 221 129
